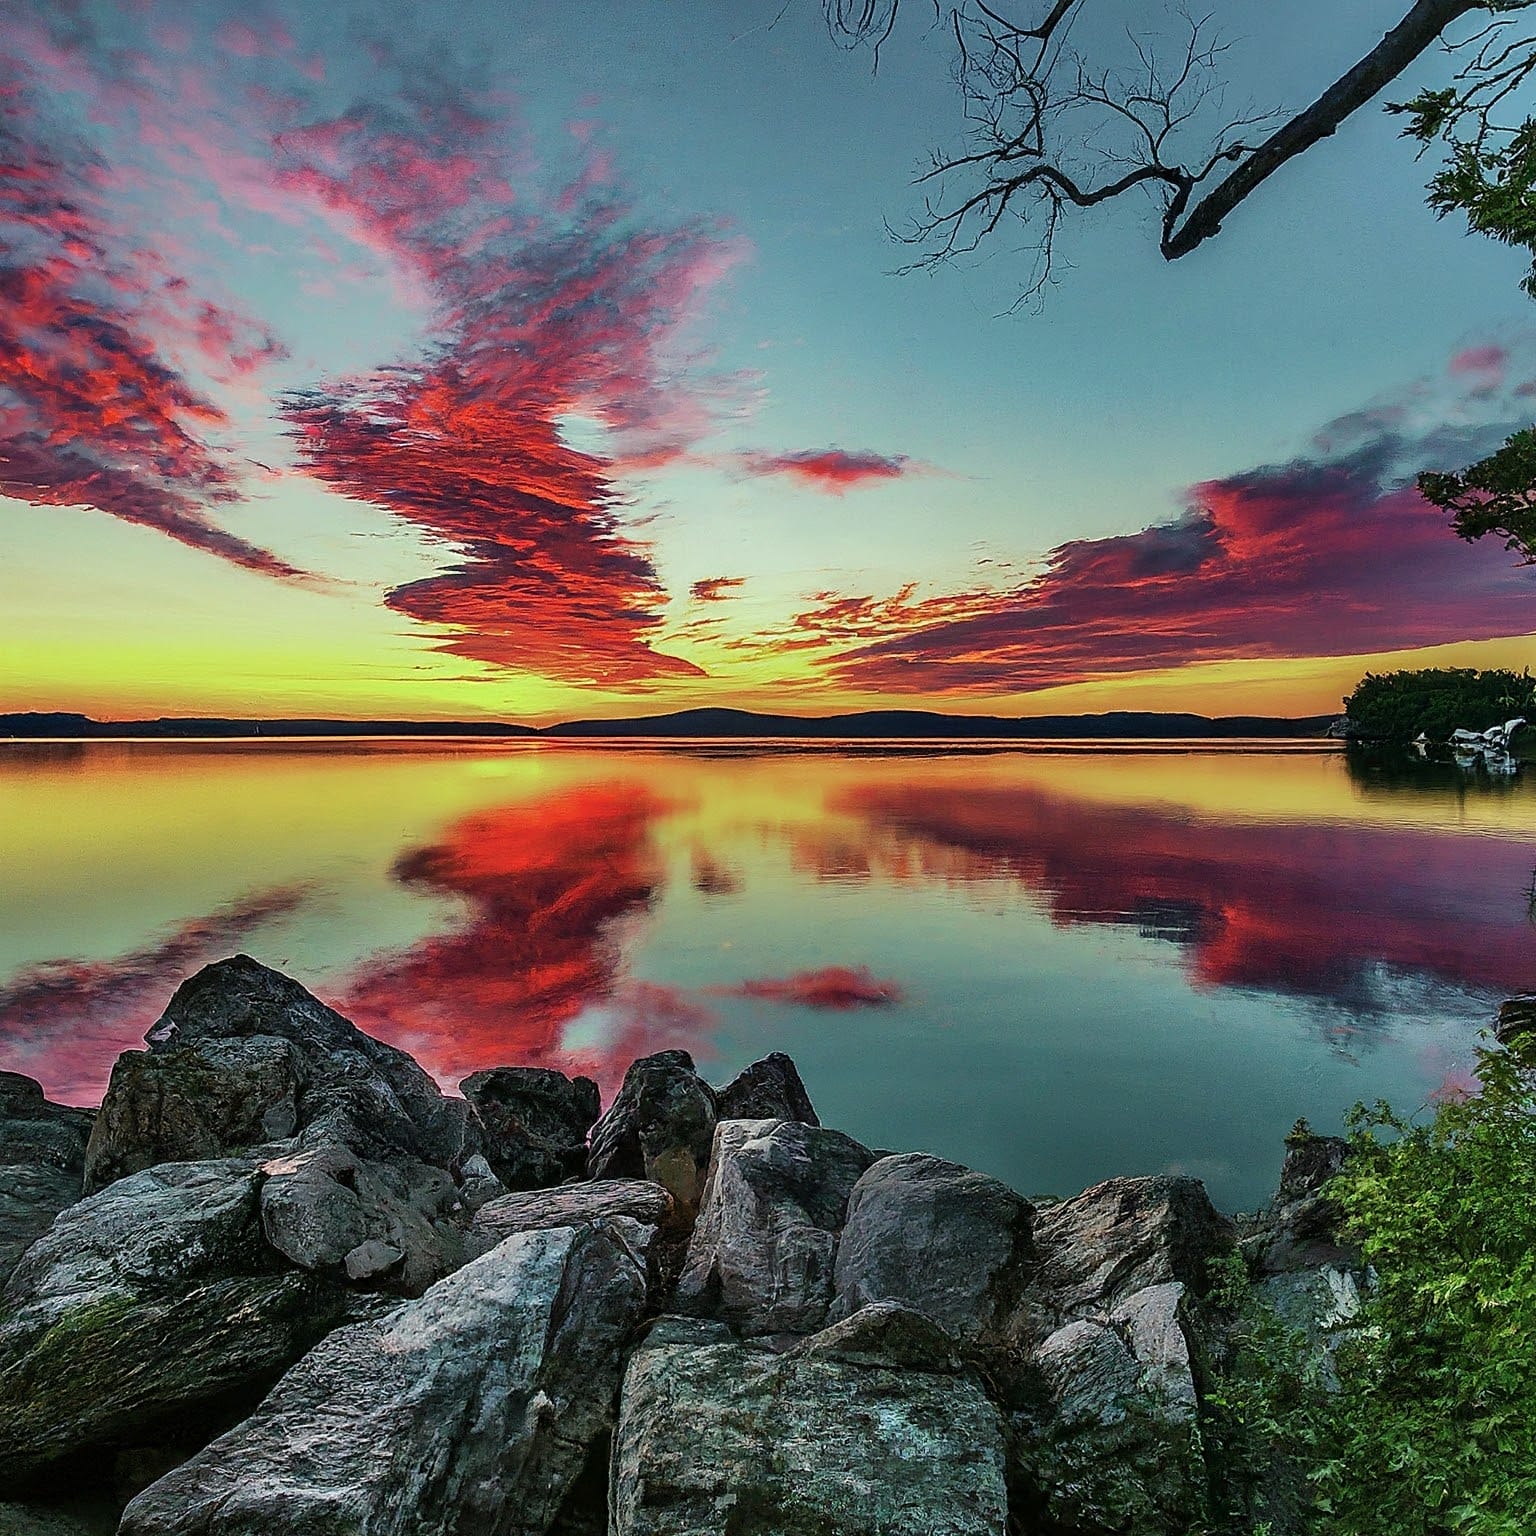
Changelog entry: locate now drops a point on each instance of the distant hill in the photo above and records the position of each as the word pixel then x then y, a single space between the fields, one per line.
pixel 918 724
pixel 36 724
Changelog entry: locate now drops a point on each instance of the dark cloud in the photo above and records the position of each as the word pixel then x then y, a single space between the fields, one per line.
pixel 833 470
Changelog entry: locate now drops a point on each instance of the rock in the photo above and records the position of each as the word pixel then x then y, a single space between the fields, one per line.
pixel 723 1439
pixel 763 1251
pixel 659 1127
pixel 1517 1017
pixel 30 1197
pixel 468 1410
pixel 73 1519
pixel 320 1206
pixel 142 1306
pixel 1116 1446
pixel 769 1089
pixel 211 1098
pixel 1121 1236
pixel 1321 1306
pixel 1300 1228
pixel 42 1159
pixel 938 1238
pixel 477 1184
pixel 535 1123
pixel 571 1205
pixel 37 1133
pixel 887 1333
pixel 351 1088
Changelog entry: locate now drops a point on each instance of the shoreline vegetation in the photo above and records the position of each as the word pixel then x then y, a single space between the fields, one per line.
pixel 280 1283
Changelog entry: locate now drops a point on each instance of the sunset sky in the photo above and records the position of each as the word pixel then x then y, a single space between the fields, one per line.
pixel 529 360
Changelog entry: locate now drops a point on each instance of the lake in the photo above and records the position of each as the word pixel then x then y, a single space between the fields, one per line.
pixel 1051 963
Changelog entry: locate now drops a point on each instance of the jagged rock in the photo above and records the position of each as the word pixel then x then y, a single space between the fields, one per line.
pixel 571 1205
pixel 1121 1236
pixel 763 1251
pixel 1300 1228
pixel 38 1133
pixel 477 1184
pixel 143 1304
pixel 468 1410
pixel 1115 1445
pixel 210 1098
pixel 535 1123
pixel 722 1439
pixel 1517 1017
pixel 1320 1306
pixel 351 1088
pixel 659 1127
pixel 936 1237
pixel 887 1333
pixel 42 1156
pixel 769 1089
pixel 329 1211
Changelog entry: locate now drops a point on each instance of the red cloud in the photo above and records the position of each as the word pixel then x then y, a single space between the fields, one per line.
pixel 1485 360
pixel 837 987
pixel 539 317
pixel 715 589
pixel 65 1022
pixel 832 470
pixel 1307 559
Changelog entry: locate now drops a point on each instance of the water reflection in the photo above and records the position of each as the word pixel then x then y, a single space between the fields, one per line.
pixel 941 938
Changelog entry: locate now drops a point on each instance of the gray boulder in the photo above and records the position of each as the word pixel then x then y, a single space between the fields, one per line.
pixel 571 1205
pixel 1300 1230
pixel 887 1333
pixel 723 1439
pixel 763 1251
pixel 141 1306
pixel 1517 1019
pixel 938 1238
pixel 349 1087
pixel 769 1089
pixel 42 1159
pixel 468 1410
pixel 38 1133
pixel 1115 1445
pixel 659 1127
pixel 329 1211
pixel 1119 1237
pixel 534 1123
pixel 211 1098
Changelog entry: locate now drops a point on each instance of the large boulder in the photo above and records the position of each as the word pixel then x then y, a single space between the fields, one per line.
pixel 937 1238
pixel 763 1251
pixel 1517 1019
pixel 471 1409
pixel 571 1205
pixel 244 1055
pixel 207 1099
pixel 659 1127
pixel 718 1438
pixel 1114 1444
pixel 330 1211
pixel 534 1122
pixel 42 1160
pixel 1120 1237
pixel 769 1089
pixel 144 1308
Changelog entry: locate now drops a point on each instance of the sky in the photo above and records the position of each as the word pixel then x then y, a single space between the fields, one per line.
pixel 527 361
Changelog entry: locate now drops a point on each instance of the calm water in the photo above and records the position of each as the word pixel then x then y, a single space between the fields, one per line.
pixel 1053 965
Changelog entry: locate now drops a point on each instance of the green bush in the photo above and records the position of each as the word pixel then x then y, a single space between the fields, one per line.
pixel 1397 706
pixel 1429 1428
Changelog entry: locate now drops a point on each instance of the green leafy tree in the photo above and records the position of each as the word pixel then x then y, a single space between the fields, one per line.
pixel 1398 706
pixel 1496 495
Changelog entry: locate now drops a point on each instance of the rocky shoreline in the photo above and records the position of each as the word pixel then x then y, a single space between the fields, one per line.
pixel 281 1285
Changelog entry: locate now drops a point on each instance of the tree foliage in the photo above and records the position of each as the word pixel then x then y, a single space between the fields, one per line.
pixel 1496 495
pixel 1397 706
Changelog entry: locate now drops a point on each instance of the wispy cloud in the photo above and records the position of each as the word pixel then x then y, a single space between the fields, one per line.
pixel 831 470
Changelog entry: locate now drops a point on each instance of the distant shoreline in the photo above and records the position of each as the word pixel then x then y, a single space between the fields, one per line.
pixel 702 725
